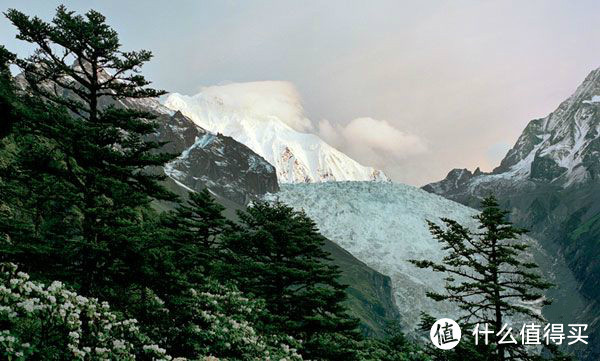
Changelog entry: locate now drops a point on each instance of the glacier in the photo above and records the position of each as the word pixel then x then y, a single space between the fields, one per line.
pixel 274 129
pixel 385 225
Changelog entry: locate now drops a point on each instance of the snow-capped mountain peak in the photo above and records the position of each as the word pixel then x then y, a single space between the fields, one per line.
pixel 272 124
pixel 560 146
pixel 562 149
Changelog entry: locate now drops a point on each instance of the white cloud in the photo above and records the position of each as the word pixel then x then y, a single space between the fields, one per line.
pixel 372 141
pixel 381 135
pixel 268 98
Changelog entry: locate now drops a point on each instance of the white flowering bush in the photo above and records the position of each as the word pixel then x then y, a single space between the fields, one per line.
pixel 52 322
pixel 223 327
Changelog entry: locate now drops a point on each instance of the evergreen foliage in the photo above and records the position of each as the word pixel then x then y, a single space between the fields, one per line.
pixel 487 276
pixel 193 230
pixel 100 154
pixel 276 254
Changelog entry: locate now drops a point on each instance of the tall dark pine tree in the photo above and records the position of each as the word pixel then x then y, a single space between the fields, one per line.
pixel 7 97
pixel 276 253
pixel 78 63
pixel 487 276
pixel 192 232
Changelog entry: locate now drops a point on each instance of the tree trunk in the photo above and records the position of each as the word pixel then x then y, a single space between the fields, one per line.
pixel 497 309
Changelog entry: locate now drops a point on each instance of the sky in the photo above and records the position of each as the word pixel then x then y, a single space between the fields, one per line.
pixel 415 88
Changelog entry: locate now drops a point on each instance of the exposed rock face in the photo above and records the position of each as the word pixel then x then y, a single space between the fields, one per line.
pixel 228 168
pixel 550 180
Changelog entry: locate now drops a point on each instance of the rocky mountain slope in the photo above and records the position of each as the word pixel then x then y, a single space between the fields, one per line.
pixel 228 168
pixel 298 157
pixel 204 159
pixel 562 150
pixel 550 180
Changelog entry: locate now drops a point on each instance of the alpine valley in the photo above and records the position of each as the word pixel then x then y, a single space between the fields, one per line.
pixel 548 180
pixel 242 151
pixel 375 226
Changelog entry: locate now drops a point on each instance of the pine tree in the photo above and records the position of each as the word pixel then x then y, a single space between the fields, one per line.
pixel 193 231
pixel 6 93
pixel 487 277
pixel 78 64
pixel 186 247
pixel 276 254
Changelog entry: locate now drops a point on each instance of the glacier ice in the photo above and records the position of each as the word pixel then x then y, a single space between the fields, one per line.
pixel 384 225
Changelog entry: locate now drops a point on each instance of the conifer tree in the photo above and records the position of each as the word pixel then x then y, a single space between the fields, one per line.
pixel 78 63
pixel 276 254
pixel 6 93
pixel 192 231
pixel 487 276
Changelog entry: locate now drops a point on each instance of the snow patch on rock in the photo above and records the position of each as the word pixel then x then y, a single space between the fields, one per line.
pixel 595 99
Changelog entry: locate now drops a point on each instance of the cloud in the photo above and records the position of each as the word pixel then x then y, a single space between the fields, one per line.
pixel 267 98
pixel 381 135
pixel 372 141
